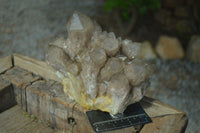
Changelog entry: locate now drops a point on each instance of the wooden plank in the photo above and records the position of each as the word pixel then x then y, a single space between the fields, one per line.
pixel 156 108
pixel 20 79
pixel 13 121
pixel 38 103
pixel 5 63
pixel 62 108
pixel 167 124
pixel 46 100
pixel 38 67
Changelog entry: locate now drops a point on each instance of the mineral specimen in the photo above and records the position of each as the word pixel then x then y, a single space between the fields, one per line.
pixel 98 70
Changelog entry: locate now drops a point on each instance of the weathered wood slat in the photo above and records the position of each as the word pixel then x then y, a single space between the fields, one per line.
pixel 38 67
pixel 156 108
pixel 175 123
pixel 46 100
pixel 13 121
pixel 63 108
pixel 5 63
pixel 20 79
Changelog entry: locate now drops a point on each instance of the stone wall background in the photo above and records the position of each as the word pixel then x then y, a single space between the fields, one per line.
pixel 27 26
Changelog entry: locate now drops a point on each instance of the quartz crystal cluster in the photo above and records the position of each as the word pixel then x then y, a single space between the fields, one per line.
pixel 99 70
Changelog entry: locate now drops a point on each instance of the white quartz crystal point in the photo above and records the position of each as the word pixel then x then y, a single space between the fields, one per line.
pixel 137 71
pixel 54 62
pixel 139 91
pixel 97 27
pixel 113 66
pixel 89 78
pixel 111 44
pixel 59 60
pixel 59 42
pixel 98 56
pixel 89 73
pixel 107 41
pixel 118 88
pixel 131 49
pixel 80 28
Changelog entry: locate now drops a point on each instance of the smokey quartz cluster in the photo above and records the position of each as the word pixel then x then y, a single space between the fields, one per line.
pixel 99 70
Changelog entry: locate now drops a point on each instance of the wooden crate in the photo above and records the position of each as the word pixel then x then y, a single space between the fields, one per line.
pixel 43 97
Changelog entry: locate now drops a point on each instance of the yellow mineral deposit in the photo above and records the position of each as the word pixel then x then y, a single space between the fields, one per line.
pixel 99 71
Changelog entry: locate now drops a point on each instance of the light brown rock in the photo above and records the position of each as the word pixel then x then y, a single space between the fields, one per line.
pixel 139 50
pixel 169 48
pixel 147 52
pixel 193 50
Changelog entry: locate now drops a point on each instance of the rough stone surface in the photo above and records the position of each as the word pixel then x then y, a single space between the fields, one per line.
pixel 100 70
pixel 193 50
pixel 169 48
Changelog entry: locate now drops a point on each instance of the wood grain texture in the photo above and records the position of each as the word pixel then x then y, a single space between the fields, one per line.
pixel 156 108
pixel 14 121
pixel 171 123
pixel 38 67
pixel 5 63
pixel 20 79
pixel 47 101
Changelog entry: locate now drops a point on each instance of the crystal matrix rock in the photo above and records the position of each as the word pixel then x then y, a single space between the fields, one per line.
pixel 99 70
